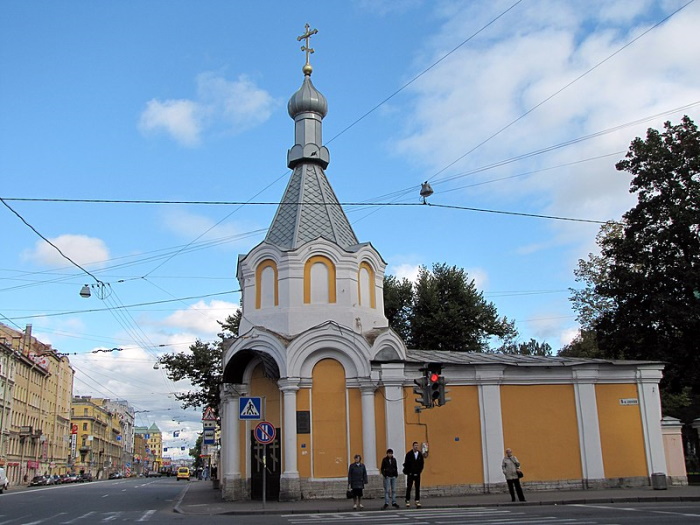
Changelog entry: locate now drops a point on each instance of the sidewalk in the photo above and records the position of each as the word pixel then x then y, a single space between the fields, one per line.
pixel 200 498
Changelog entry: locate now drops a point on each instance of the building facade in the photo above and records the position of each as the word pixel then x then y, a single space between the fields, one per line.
pixel 336 380
pixel 152 438
pixel 98 437
pixel 35 428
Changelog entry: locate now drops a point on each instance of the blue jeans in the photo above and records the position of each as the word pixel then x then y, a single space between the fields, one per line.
pixel 389 490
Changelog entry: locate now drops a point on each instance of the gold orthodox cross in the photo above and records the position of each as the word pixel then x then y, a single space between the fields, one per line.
pixel 306 36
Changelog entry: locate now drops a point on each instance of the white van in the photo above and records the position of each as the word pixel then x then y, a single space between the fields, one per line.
pixel 3 481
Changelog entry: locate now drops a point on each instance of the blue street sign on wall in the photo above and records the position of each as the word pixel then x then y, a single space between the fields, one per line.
pixel 250 408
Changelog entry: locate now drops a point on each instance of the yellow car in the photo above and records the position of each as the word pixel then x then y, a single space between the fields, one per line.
pixel 183 473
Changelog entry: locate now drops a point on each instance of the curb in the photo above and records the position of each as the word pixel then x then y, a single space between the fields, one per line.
pixel 584 501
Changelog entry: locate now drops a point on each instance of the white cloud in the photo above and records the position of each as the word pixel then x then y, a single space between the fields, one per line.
pixel 81 249
pixel 489 83
pixel 404 271
pixel 240 104
pixel 181 119
pixel 201 318
pixel 232 106
pixel 191 226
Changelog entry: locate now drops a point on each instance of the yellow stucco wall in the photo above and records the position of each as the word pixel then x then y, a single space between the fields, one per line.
pixel 453 433
pixel 621 436
pixel 260 386
pixel 328 416
pixel 304 440
pixel 355 421
pixel 380 425
pixel 539 424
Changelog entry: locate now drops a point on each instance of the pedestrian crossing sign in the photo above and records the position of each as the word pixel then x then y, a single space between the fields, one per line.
pixel 250 407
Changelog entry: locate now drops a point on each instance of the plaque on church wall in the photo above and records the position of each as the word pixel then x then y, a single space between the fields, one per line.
pixel 303 422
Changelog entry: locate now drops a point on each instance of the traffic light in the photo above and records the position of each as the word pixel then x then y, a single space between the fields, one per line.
pixel 421 389
pixel 433 377
pixel 442 399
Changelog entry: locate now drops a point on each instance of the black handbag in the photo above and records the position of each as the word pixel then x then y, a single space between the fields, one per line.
pixel 348 494
pixel 519 473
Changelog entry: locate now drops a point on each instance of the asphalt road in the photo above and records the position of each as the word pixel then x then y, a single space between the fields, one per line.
pixel 139 500
pixel 129 500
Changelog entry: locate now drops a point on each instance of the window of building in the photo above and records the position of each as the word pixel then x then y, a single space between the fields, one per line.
pixel 319 281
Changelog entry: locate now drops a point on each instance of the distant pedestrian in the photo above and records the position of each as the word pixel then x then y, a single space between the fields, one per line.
pixel 357 478
pixel 390 471
pixel 412 467
pixel 511 470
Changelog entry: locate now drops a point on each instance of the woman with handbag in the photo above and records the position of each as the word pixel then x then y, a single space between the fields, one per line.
pixel 511 470
pixel 357 478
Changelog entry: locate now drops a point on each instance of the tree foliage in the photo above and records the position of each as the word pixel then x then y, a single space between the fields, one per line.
pixel 531 347
pixel 443 311
pixel 398 298
pixel 202 367
pixel 648 282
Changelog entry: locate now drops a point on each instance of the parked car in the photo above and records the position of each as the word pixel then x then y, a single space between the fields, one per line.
pixel 183 473
pixel 85 476
pixel 114 475
pixel 153 474
pixel 40 481
pixel 4 483
pixel 56 479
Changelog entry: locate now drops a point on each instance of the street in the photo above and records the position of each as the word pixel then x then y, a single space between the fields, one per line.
pixel 142 500
pixel 617 513
pixel 126 500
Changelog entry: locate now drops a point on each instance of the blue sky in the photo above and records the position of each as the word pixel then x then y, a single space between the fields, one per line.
pixel 516 106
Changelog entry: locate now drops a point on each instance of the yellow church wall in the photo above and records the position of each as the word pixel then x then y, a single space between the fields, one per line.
pixel 621 435
pixel 540 425
pixel 328 416
pixel 261 386
pixel 380 425
pixel 453 433
pixel 304 440
pixel 355 407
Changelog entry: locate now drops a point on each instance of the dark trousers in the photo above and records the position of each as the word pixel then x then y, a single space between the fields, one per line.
pixel 515 483
pixel 412 479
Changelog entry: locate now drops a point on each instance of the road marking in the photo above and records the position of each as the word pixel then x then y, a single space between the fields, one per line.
pixel 79 517
pixel 111 516
pixel 147 515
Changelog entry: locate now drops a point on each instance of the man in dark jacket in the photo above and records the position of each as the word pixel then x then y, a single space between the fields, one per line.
pixel 412 467
pixel 390 471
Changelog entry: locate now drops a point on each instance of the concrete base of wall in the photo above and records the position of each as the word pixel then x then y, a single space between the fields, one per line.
pixel 290 489
pixel 294 489
pixel 234 489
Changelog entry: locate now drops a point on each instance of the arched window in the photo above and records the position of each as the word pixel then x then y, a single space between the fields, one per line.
pixel 266 290
pixel 366 292
pixel 319 281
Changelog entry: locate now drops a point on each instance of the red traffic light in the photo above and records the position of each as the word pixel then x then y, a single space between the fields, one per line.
pixel 434 376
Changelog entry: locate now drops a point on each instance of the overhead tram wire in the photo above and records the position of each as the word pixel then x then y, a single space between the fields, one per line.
pixel 92 310
pixel 559 91
pixel 443 57
pixel 547 99
pixel 403 191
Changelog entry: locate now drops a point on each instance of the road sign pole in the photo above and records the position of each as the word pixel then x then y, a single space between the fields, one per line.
pixel 264 489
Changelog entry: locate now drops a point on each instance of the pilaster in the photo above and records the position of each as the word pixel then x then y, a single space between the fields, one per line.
pixel 489 385
pixel 290 487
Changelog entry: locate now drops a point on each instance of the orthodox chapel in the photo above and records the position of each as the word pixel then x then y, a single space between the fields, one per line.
pixel 335 380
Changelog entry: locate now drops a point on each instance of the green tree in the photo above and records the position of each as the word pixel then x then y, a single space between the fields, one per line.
pixel 398 301
pixel 202 367
pixel 196 452
pixel 531 347
pixel 444 312
pixel 589 304
pixel 651 276
pixel 584 344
